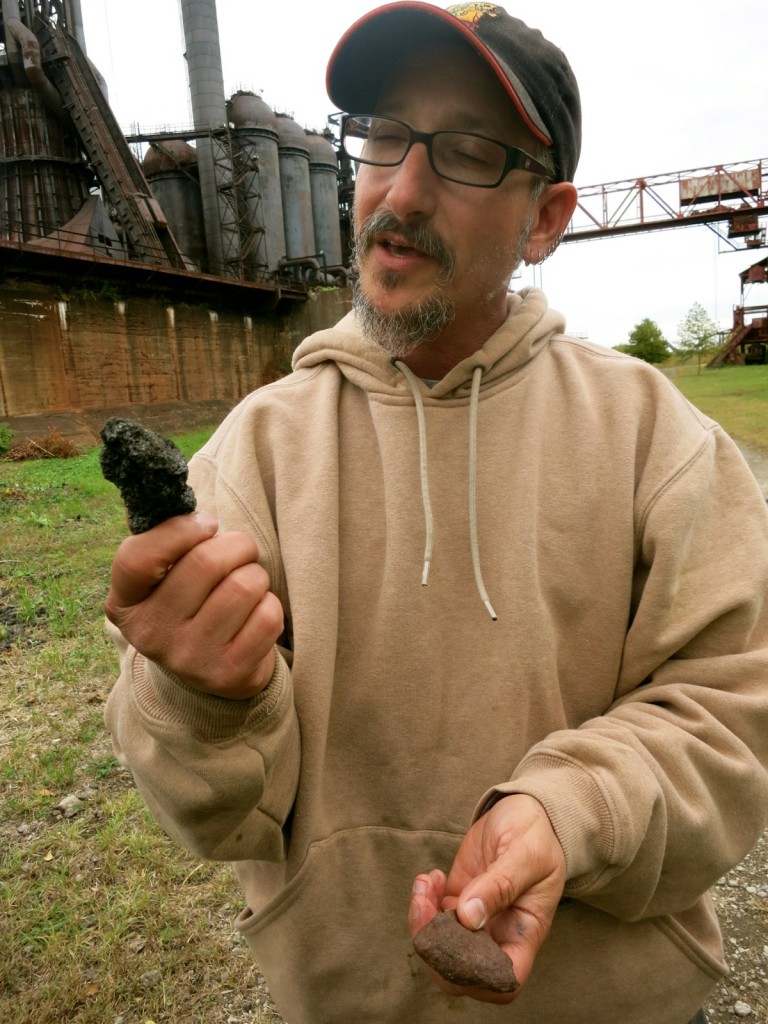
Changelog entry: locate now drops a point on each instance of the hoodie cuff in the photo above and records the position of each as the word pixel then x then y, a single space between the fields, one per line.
pixel 576 807
pixel 165 700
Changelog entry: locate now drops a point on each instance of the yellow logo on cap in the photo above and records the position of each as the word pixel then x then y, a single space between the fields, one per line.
pixel 472 13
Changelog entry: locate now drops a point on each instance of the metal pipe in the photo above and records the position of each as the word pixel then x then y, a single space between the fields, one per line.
pixel 32 61
pixel 209 109
pixel 338 272
pixel 323 274
pixel 76 29
pixel 12 49
pixel 300 261
pixel 310 266
pixel 75 23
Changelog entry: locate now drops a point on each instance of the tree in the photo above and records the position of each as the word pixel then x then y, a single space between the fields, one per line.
pixel 697 335
pixel 646 342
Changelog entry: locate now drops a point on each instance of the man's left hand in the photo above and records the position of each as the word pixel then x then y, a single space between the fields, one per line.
pixel 508 877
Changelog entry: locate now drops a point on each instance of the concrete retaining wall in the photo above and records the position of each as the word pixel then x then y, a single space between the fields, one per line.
pixel 72 361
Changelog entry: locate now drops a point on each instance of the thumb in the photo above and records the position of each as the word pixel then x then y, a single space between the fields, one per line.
pixel 487 895
pixel 142 560
pixel 522 866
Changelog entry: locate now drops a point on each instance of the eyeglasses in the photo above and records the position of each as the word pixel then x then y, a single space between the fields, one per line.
pixel 463 157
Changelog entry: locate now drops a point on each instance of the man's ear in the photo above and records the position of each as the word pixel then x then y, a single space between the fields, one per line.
pixel 554 209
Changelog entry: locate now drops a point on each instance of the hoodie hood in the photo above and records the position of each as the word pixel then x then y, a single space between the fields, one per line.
pixel 529 326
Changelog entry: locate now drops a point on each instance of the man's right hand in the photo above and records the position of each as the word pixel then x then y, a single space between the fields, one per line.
pixel 198 604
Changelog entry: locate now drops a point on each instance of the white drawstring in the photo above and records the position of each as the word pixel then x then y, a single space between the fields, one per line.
pixel 473 406
pixel 413 383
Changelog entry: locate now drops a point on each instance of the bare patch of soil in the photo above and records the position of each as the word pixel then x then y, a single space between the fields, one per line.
pixel 15 627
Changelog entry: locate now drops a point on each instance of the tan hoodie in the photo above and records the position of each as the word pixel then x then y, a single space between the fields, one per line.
pixel 621 542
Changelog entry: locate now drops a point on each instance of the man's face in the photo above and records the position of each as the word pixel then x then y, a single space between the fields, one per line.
pixel 470 240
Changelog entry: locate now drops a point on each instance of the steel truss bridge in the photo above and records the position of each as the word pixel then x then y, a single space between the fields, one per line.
pixel 728 198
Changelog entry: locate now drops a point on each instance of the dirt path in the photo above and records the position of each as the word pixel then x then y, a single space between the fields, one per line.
pixel 758 463
pixel 742 898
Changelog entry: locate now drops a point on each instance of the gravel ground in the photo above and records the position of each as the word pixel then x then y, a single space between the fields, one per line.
pixel 742 898
pixel 742 905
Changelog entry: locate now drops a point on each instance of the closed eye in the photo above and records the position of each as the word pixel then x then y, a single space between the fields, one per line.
pixel 469 149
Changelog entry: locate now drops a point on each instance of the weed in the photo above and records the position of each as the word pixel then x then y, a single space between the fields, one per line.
pixel 28 605
pixel 108 292
pixel 103 767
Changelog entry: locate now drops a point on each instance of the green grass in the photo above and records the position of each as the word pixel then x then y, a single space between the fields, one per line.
pixel 103 915
pixel 735 396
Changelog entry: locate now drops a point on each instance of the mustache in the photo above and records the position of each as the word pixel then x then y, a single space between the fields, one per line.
pixel 421 236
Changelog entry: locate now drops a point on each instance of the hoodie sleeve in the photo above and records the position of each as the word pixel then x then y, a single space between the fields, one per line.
pixel 220 776
pixel 660 796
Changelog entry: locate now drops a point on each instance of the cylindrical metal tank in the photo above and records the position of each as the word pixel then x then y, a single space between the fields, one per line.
pixel 171 169
pixel 44 181
pixel 209 110
pixel 296 189
pixel 256 144
pixel 324 182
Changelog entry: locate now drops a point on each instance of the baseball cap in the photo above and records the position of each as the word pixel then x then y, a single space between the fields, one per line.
pixel 535 74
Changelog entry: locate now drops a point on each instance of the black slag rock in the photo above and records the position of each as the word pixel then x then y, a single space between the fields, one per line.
pixel 149 470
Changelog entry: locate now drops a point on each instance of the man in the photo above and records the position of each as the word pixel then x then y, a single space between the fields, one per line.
pixel 474 614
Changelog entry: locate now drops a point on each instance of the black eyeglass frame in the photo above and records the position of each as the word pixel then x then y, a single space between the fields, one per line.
pixel 516 159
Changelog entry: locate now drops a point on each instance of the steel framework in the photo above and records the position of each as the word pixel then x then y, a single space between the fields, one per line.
pixel 734 193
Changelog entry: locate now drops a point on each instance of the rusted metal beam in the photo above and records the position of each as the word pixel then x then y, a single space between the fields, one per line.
pixel 677 199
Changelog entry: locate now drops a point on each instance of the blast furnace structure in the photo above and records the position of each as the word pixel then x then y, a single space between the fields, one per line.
pixel 240 212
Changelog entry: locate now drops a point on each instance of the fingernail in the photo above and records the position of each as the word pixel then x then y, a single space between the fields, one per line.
pixel 419 887
pixel 207 521
pixel 475 913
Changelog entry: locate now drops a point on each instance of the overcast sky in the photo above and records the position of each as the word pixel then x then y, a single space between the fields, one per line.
pixel 665 87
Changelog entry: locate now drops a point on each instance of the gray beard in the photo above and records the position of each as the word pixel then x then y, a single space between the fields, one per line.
pixel 401 332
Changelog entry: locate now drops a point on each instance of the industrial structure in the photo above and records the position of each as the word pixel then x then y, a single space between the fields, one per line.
pixel 158 271
pixel 729 199
pixel 731 195
pixel 233 223
pixel 247 195
pixel 747 341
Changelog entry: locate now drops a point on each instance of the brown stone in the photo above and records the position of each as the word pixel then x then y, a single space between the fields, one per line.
pixel 463 957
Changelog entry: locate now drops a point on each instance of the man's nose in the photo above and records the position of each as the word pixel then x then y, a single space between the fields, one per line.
pixel 414 185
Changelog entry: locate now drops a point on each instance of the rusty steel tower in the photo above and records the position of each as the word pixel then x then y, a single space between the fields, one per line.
pixel 71 185
pixel 60 142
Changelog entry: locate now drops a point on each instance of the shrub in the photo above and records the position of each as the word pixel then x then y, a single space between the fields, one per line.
pixel 52 445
